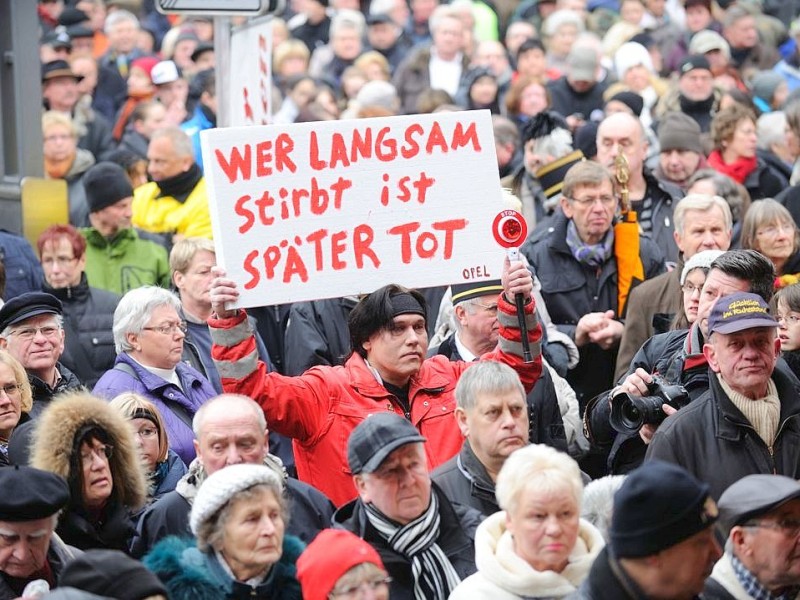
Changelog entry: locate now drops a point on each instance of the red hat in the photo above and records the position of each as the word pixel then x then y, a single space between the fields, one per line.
pixel 332 554
pixel 146 64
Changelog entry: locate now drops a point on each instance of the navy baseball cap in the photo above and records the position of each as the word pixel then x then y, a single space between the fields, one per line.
pixel 376 438
pixel 740 311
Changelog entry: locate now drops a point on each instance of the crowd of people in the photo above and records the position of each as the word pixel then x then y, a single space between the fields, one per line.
pixel 157 443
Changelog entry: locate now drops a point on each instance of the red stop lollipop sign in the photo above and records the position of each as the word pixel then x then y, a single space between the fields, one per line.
pixel 510 230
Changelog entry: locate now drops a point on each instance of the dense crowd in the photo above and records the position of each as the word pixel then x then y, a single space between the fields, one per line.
pixel 155 443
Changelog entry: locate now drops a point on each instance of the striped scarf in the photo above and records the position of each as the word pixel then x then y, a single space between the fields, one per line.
pixel 434 575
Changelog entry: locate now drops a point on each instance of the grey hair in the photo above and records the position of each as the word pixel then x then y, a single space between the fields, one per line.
pixel 346 18
pixel 379 7
pixel 181 143
pixel 771 129
pixel 557 144
pixel 735 193
pixel 701 202
pixel 6 333
pixel 598 501
pixel 211 532
pixel 537 464
pixel 118 16
pixel 486 377
pixel 441 12
pixel 560 18
pixel 135 309
pixel 200 416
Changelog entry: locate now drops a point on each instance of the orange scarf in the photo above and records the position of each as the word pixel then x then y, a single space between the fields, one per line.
pixel 58 169
pixel 125 113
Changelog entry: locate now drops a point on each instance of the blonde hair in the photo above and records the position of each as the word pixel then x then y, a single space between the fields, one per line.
pixel 182 253
pixel 541 465
pixel 53 117
pixel 21 377
pixel 132 406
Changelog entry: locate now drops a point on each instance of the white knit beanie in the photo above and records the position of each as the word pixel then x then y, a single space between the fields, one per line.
pixel 630 55
pixel 220 488
pixel 701 260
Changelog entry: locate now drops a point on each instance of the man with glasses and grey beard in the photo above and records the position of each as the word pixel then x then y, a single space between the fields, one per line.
pixel 31 330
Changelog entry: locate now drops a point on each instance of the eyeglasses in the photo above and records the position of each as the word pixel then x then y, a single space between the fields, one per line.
pixel 690 288
pixel 590 200
pixel 147 432
pixel 61 261
pixel 29 333
pixel 789 318
pixel 775 229
pixel 104 451
pixel 11 389
pixel 790 527
pixel 490 308
pixel 57 137
pixel 169 328
pixel 360 590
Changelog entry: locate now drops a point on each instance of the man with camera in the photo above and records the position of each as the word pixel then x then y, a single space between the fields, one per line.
pixel 677 356
pixel 748 421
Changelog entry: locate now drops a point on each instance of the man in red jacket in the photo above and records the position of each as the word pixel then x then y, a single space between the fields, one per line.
pixel 387 371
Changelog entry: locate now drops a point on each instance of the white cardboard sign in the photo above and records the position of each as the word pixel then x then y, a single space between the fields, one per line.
pixel 250 92
pixel 321 210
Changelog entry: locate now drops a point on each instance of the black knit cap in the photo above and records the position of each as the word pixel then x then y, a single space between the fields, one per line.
pixel 658 506
pixel 692 62
pixel 111 573
pixel 630 99
pixel 30 494
pixel 106 183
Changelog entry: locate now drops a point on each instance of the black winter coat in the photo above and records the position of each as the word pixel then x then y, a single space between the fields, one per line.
pixel 88 337
pixel 544 415
pixel 714 441
pixel 317 334
pixel 664 354
pixel 571 290
pixel 112 532
pixel 607 581
pixel 456 539
pixel 765 181
pixel 464 481
pixel 43 393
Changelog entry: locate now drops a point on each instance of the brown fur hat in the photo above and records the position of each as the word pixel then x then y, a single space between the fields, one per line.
pixel 54 443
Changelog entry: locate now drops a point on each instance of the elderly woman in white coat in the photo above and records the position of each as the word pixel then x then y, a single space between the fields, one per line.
pixel 537 546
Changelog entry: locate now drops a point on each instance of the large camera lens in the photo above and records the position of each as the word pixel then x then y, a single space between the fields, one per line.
pixel 629 413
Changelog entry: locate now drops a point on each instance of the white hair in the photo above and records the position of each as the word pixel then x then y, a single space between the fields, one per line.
pixel 537 464
pixel 118 16
pixel 346 18
pixel 135 309
pixel 771 129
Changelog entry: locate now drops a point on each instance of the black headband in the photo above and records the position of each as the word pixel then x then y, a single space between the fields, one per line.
pixel 404 303
pixel 143 413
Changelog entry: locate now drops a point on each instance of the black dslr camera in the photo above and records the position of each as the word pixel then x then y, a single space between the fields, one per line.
pixel 629 413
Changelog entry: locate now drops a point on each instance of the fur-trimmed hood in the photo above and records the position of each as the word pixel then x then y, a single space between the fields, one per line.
pixel 54 442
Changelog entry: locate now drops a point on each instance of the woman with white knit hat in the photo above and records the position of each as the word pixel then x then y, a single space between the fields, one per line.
pixel 238 518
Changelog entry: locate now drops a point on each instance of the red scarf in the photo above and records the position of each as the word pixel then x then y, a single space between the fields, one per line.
pixel 738 170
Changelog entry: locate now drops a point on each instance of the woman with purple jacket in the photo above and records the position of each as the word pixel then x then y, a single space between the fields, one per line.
pixel 149 336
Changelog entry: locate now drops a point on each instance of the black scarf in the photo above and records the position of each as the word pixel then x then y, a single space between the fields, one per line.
pixel 181 185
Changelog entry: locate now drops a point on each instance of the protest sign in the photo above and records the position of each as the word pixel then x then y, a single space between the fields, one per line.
pixel 321 210
pixel 250 91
